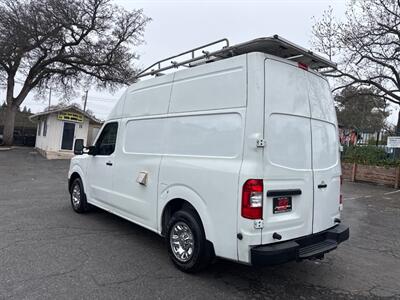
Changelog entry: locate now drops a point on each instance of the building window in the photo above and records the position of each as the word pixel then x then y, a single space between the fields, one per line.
pixel 45 127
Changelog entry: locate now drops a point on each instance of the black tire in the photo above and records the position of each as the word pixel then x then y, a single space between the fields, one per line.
pixel 80 206
pixel 202 253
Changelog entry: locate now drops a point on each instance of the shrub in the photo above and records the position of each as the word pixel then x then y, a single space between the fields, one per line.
pixel 368 155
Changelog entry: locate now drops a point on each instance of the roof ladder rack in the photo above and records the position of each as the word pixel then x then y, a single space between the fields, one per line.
pixel 156 68
pixel 274 45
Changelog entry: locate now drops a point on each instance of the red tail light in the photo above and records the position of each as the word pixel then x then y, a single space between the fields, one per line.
pixel 302 66
pixel 252 199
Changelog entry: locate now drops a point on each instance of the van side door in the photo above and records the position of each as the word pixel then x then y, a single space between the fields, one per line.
pixel 135 178
pixel 100 165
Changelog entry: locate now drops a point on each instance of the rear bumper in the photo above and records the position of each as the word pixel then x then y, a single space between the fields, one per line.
pixel 312 246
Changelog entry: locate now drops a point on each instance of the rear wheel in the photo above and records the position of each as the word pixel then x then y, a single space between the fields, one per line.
pixel 78 197
pixel 186 242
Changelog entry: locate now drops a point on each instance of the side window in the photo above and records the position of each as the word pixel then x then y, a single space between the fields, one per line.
pixel 45 127
pixel 106 143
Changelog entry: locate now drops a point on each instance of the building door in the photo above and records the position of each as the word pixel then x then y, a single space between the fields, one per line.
pixel 68 136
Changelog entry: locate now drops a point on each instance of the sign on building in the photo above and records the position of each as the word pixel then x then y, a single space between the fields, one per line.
pixel 70 116
pixel 393 142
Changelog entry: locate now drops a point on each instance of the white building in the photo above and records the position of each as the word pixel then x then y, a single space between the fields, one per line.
pixel 57 130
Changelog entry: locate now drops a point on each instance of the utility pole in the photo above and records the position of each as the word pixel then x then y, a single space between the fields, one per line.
pixel 85 101
pixel 49 98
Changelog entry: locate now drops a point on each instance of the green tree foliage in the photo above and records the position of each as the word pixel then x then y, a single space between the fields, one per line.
pixel 361 110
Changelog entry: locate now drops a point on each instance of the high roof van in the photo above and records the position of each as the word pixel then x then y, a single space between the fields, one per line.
pixel 235 156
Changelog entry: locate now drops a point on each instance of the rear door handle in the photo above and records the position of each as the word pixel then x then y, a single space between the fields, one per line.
pixel 109 163
pixel 279 193
pixel 322 185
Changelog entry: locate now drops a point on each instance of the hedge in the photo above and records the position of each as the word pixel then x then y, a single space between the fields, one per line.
pixel 368 155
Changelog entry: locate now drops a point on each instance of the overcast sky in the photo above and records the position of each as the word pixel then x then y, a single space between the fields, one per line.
pixel 183 24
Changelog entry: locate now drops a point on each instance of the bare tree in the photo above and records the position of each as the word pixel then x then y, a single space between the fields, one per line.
pixel 64 44
pixel 366 46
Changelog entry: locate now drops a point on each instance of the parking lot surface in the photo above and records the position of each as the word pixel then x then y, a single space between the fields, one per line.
pixel 47 251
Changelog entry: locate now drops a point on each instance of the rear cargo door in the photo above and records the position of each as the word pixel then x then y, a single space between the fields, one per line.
pixel 325 153
pixel 288 176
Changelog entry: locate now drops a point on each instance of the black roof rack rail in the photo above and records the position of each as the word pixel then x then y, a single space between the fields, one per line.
pixel 274 45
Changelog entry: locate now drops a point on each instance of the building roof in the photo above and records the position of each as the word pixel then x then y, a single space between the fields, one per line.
pixel 91 118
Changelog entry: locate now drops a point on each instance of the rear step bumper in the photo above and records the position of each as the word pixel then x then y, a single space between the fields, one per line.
pixel 312 246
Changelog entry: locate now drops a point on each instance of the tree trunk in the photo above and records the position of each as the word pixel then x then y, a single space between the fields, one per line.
pixel 9 122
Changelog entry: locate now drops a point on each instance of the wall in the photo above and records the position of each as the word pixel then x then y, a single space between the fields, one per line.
pixel 373 174
pixel 347 171
pixel 41 141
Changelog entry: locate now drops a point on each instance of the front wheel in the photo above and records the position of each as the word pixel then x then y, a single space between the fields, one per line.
pixel 186 242
pixel 78 197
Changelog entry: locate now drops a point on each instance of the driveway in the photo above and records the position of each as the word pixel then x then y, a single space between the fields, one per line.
pixel 49 252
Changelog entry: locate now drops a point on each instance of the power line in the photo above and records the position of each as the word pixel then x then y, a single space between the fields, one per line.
pixel 50 98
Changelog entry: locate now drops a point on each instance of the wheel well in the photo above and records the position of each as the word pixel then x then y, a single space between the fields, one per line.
pixel 72 178
pixel 178 204
pixel 172 207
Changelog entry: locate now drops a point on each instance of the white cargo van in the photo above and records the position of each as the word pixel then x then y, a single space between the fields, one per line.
pixel 235 156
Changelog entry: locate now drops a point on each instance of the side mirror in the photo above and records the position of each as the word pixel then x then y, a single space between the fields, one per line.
pixel 78 147
pixel 92 150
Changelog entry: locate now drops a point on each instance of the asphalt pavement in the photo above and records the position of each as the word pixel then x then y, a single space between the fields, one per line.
pixel 47 251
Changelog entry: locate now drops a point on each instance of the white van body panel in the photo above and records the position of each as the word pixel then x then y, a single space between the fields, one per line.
pixel 204 148
pixel 325 149
pixel 194 134
pixel 117 111
pixel 148 98
pixel 219 85
pixel 78 166
pixel 172 192
pixel 141 137
pixel 252 164
pixel 288 152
